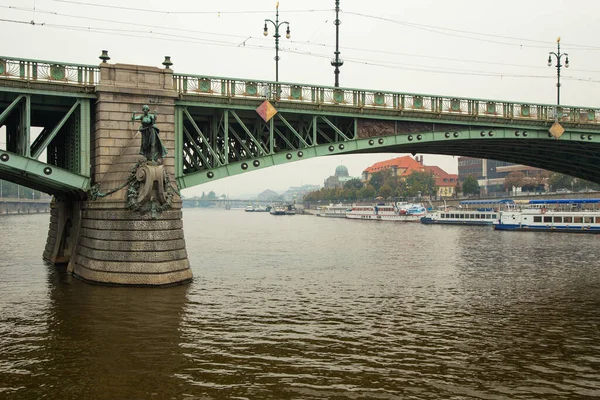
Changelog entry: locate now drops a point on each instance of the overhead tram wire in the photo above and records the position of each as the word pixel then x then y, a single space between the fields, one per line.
pixel 292 41
pixel 179 12
pixel 143 35
pixel 436 29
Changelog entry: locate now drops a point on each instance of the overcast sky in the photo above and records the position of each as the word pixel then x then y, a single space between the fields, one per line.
pixel 462 48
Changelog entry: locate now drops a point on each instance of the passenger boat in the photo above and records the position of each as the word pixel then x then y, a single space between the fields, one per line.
pixel 471 212
pixel 399 211
pixel 333 211
pixel 260 208
pixel 290 209
pixel 249 208
pixel 559 215
pixel 278 209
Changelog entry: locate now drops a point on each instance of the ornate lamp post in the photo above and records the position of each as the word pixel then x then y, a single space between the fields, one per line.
pixel 277 25
pixel 337 62
pixel 558 56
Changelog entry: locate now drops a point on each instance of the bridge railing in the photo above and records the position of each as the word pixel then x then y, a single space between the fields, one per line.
pixel 49 71
pixel 369 99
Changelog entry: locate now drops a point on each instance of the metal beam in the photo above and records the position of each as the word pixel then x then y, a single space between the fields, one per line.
pixel 8 110
pixel 43 140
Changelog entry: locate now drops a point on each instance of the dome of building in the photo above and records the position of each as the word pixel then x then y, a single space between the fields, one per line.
pixel 341 170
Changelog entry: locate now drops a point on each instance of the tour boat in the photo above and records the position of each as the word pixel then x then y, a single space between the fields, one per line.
pixel 333 211
pixel 399 211
pixel 278 209
pixel 559 215
pixel 471 212
pixel 249 208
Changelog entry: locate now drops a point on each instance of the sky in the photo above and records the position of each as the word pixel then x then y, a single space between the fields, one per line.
pixel 463 48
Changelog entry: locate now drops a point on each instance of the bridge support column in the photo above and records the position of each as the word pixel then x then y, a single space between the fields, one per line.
pixel 118 239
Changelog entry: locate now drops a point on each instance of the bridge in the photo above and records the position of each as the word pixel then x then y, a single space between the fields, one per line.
pixel 116 218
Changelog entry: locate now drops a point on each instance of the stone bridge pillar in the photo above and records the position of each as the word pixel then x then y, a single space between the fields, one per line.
pixel 130 230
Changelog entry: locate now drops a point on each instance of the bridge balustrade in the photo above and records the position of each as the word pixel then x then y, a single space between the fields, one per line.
pixel 366 99
pixel 49 71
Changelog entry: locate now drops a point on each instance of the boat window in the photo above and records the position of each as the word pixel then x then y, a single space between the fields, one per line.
pixel 568 220
pixel 478 216
pixel 598 220
pixel 451 215
pixel 578 220
pixel 494 216
pixel 588 220
pixel 547 219
pixel 557 219
pixel 537 219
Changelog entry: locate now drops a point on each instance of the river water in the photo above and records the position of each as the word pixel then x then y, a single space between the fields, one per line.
pixel 303 307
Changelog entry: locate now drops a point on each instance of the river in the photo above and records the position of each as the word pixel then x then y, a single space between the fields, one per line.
pixel 301 307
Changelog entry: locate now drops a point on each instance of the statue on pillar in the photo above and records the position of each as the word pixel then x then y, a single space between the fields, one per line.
pixel 152 147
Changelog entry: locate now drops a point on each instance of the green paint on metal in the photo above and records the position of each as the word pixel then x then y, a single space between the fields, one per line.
pixel 338 96
pixel 204 85
pixel 525 110
pixel 251 89
pixel 296 92
pixel 53 178
pixel 2 67
pixel 417 102
pixel 379 99
pixel 41 142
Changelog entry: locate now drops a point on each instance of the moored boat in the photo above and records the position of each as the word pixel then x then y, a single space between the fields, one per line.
pixel 399 211
pixel 333 211
pixel 558 215
pixel 278 209
pixel 472 212
pixel 249 208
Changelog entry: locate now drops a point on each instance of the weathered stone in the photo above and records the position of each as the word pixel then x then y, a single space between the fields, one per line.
pixel 132 235
pixel 132 256
pixel 119 225
pixel 131 246
pixel 135 267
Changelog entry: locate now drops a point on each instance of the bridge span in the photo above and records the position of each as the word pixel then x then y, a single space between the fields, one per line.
pixel 116 216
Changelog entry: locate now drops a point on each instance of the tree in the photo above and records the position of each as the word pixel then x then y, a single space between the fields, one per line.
pixel 353 184
pixel 385 191
pixel 470 185
pixel 560 181
pixel 379 178
pixel 421 181
pixel 514 179
pixel 367 193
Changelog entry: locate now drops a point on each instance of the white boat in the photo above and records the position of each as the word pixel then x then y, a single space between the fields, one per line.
pixel 333 211
pixel 249 208
pixel 471 212
pixel 559 215
pixel 399 211
pixel 260 208
pixel 283 209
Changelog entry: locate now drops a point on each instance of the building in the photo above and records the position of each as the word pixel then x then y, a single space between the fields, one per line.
pixel 406 165
pixel 297 193
pixel 337 180
pixel 491 174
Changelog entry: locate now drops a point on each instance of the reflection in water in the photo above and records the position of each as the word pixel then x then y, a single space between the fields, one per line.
pixel 311 308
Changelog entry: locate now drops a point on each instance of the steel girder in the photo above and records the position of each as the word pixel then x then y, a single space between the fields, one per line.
pixel 58 124
pixel 220 141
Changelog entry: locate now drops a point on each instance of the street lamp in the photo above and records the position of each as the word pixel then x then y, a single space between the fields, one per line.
pixel 337 62
pixel 558 56
pixel 277 24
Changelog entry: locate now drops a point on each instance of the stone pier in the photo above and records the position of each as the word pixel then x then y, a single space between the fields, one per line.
pixel 129 230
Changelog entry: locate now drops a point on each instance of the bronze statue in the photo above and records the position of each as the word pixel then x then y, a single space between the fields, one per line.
pixel 152 147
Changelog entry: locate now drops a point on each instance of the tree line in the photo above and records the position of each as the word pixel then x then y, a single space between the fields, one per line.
pixel 383 184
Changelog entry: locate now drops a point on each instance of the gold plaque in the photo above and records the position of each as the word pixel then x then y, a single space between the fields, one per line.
pixel 556 130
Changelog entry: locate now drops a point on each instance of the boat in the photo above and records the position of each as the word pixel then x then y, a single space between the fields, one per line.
pixel 290 209
pixel 249 208
pixel 398 211
pixel 471 212
pixel 278 209
pixel 333 211
pixel 260 208
pixel 556 215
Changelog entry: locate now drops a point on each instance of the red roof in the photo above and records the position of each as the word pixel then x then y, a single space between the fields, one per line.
pixel 442 178
pixel 407 164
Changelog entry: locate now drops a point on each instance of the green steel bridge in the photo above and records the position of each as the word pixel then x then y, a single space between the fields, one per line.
pixel 47 111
